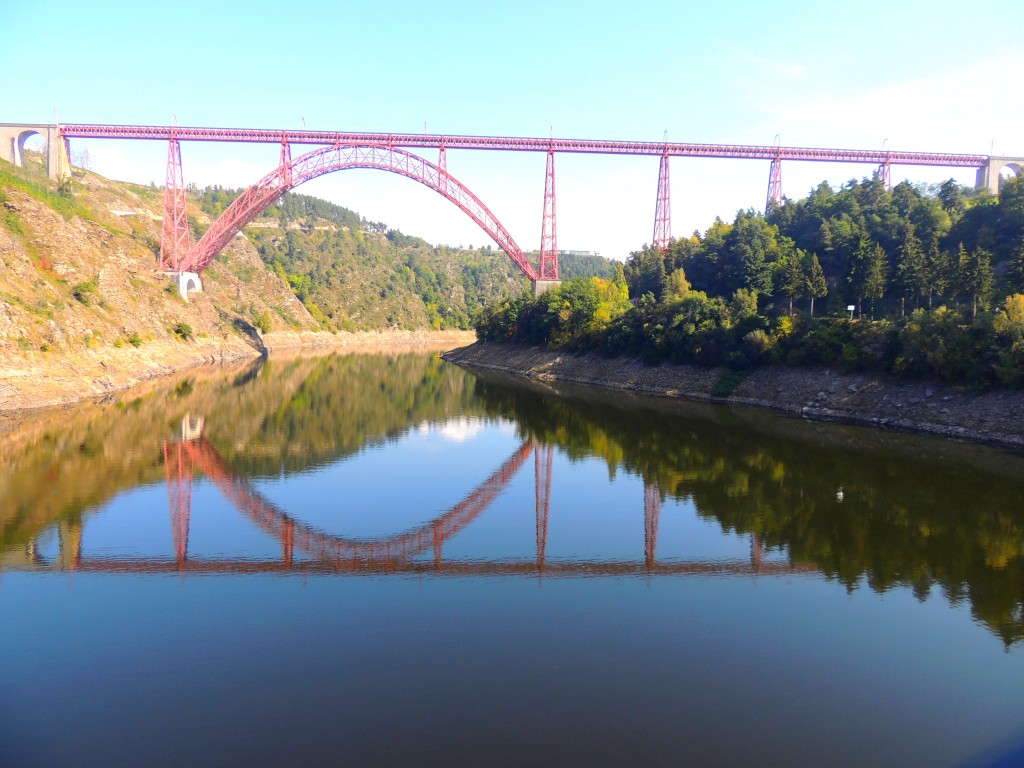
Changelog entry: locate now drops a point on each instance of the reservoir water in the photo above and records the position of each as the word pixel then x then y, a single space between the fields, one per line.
pixel 382 559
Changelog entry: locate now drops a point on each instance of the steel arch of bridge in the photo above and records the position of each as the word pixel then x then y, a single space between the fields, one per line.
pixel 340 157
pixel 317 544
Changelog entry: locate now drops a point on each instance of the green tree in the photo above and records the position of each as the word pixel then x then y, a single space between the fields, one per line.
pixel 645 272
pixel 866 273
pixel 875 285
pixel 909 271
pixel 1015 273
pixel 676 285
pixel 817 286
pixel 951 195
pixel 939 272
pixel 976 276
pixel 792 280
pixel 751 247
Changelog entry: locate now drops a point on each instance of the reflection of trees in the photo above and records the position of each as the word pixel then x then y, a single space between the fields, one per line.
pixel 284 415
pixel 902 520
pixel 345 403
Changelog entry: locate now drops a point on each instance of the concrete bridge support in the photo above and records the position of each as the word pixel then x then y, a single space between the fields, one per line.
pixel 543 286
pixel 187 281
pixel 988 175
pixel 58 156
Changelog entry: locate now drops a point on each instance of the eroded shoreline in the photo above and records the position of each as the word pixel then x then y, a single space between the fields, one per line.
pixel 868 399
pixel 39 380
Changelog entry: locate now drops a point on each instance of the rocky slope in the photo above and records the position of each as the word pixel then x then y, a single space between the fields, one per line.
pixel 84 309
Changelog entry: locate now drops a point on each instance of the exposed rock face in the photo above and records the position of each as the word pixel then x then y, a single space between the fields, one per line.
pixel 821 394
pixel 84 308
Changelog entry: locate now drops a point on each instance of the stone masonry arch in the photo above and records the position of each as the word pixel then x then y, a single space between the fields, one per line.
pixel 12 144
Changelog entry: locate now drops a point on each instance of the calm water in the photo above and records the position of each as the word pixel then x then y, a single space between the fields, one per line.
pixel 381 559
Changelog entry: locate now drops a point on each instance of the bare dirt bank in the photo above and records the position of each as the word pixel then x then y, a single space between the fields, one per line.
pixel 995 418
pixel 33 380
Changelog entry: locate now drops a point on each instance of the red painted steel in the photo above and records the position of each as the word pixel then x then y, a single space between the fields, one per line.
pixel 343 157
pixel 524 144
pixel 548 228
pixel 663 210
pixel 175 242
pixel 756 551
pixel 178 465
pixel 652 513
pixel 323 546
pixel 442 163
pixel 774 184
pixel 571 568
pixel 543 456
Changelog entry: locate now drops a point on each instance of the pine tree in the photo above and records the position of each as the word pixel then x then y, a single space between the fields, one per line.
pixel 874 286
pixel 976 276
pixel 866 271
pixel 816 284
pixel 909 274
pixel 938 273
pixel 793 282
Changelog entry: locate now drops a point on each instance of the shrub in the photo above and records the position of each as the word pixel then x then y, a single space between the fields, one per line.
pixel 262 322
pixel 183 331
pixel 84 292
pixel 135 340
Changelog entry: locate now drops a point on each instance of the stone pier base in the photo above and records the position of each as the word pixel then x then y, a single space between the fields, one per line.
pixel 543 286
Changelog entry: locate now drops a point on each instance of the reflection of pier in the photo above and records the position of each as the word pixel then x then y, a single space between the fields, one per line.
pixel 458 568
pixel 328 553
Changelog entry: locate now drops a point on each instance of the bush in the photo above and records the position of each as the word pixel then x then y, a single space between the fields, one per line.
pixel 183 331
pixel 135 339
pixel 84 292
pixel 262 322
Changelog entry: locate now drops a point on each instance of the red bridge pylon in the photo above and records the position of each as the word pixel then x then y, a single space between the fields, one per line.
pixel 652 511
pixel 178 464
pixel 543 456
pixel 663 210
pixel 774 185
pixel 884 175
pixel 175 242
pixel 756 552
pixel 548 233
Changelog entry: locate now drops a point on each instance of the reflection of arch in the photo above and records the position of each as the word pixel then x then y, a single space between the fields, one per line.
pixel 322 546
pixel 325 160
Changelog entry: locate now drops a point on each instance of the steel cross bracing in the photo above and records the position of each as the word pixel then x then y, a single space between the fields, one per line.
pixel 662 210
pixel 549 229
pixel 175 242
pixel 504 567
pixel 341 157
pixel 525 144
pixel 297 536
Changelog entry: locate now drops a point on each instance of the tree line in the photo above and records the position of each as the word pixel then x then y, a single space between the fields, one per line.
pixel 921 281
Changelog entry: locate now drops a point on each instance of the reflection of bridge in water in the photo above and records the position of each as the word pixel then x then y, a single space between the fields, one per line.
pixel 397 553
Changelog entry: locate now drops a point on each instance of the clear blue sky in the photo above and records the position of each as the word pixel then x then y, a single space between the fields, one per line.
pixel 930 76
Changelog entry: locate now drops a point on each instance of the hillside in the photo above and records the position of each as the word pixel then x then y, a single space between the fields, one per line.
pixel 353 274
pixel 84 309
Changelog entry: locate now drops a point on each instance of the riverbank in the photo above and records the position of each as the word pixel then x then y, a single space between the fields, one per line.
pixel 993 418
pixel 32 380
